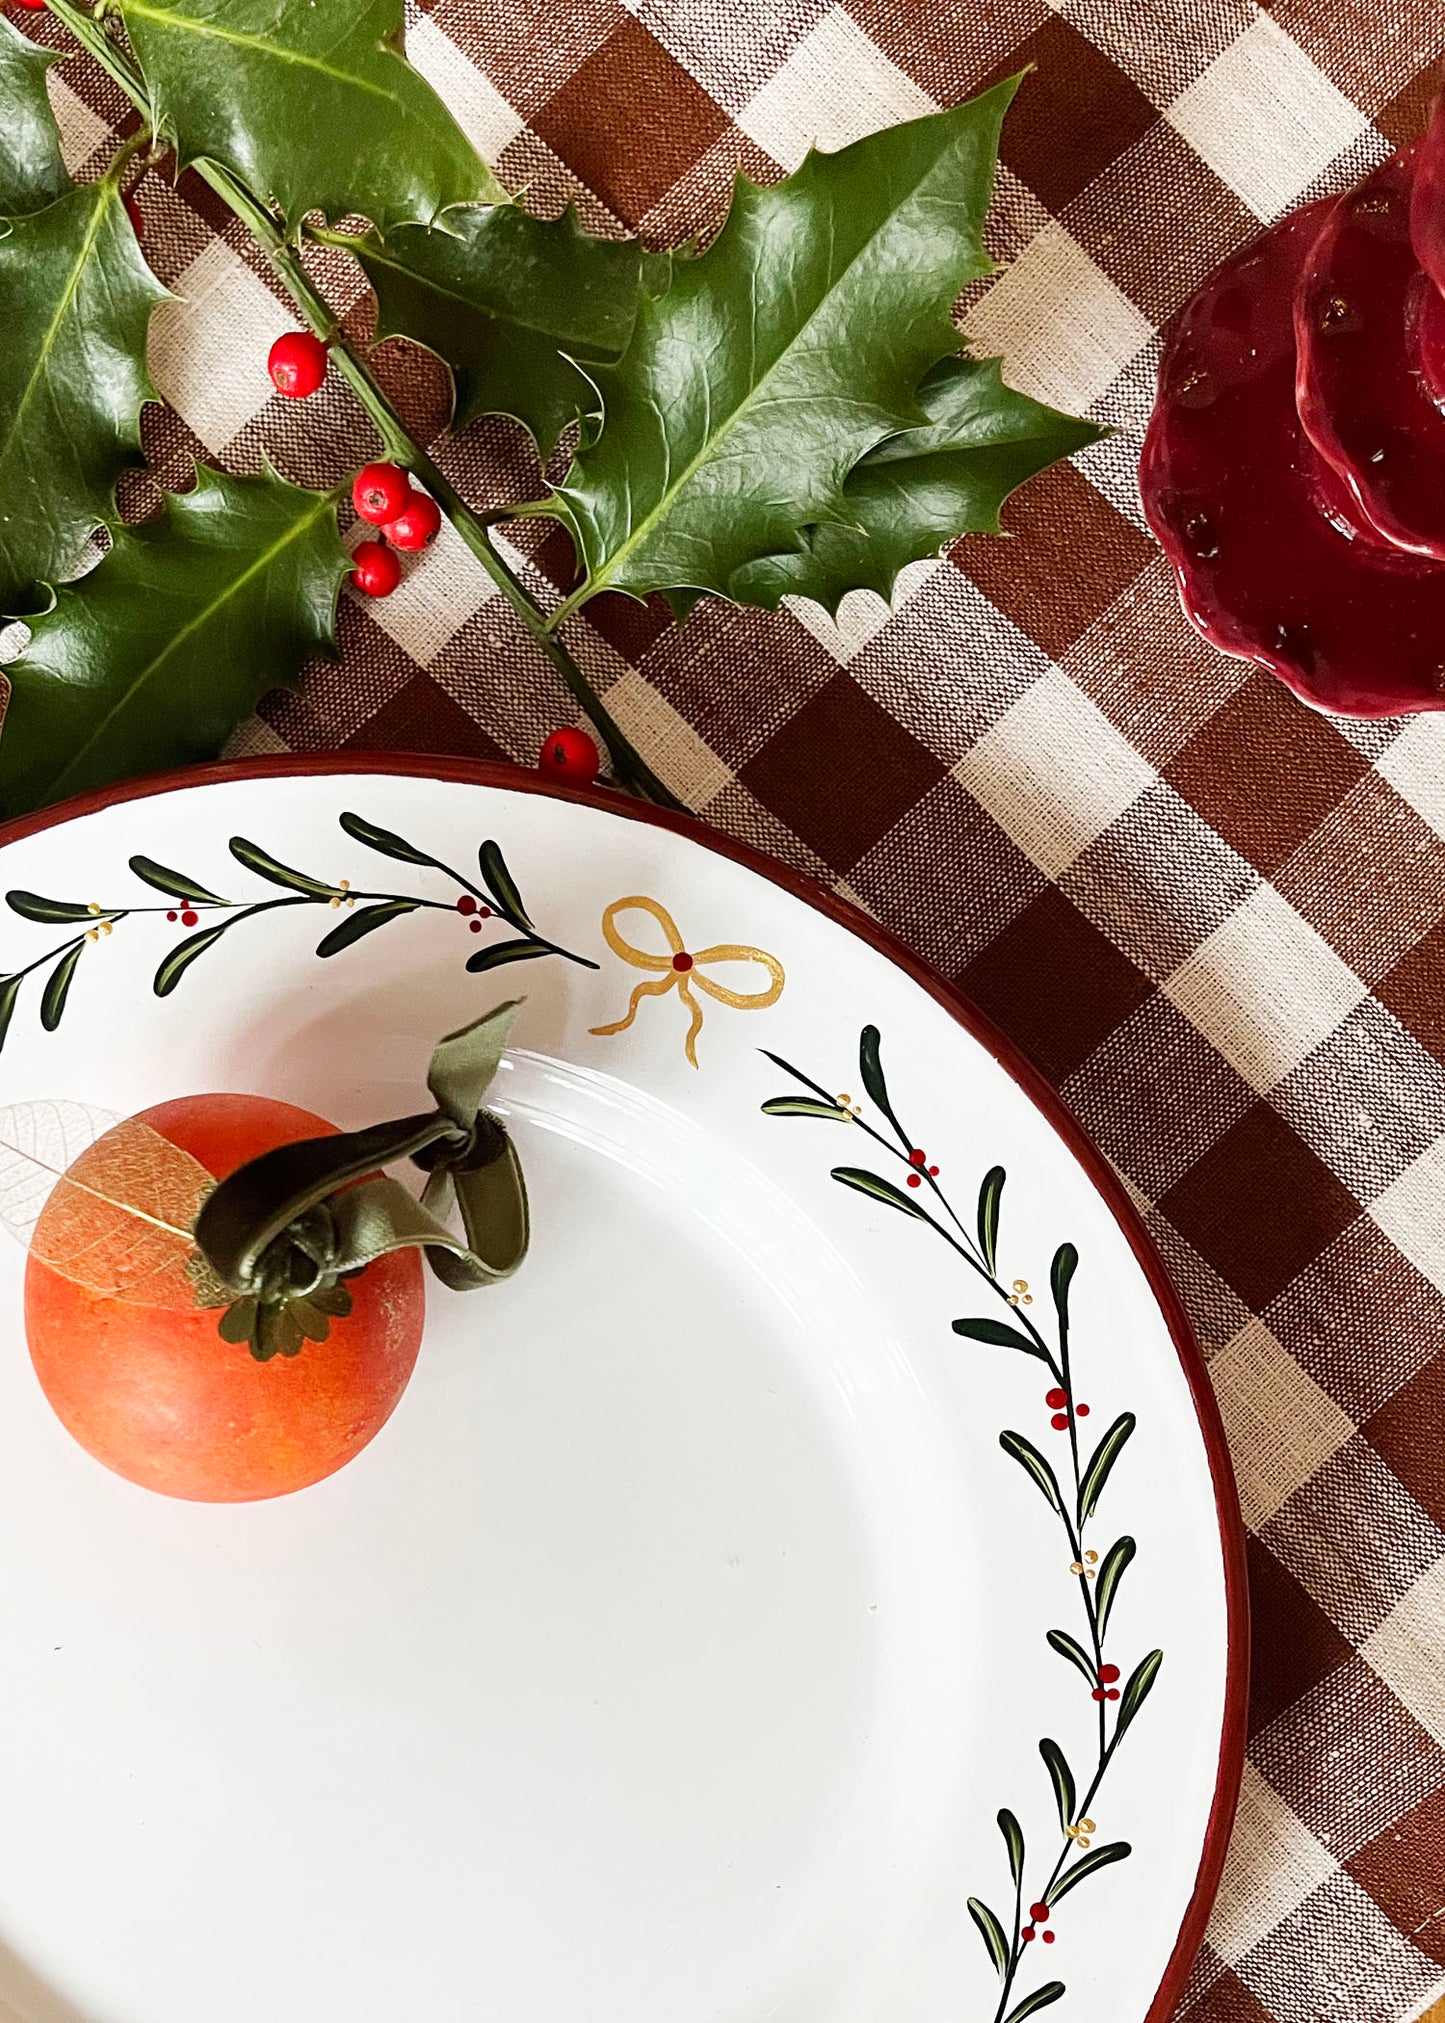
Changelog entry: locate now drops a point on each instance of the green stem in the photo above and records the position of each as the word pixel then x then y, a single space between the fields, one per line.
pixel 630 768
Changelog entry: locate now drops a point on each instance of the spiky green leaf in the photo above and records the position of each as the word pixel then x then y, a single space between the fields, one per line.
pixel 762 370
pixel 310 102
pixel 155 657
pixel 32 169
pixel 921 489
pixel 510 303
pixel 73 281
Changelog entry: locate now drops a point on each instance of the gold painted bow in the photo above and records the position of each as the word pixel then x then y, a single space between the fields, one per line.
pixel 683 971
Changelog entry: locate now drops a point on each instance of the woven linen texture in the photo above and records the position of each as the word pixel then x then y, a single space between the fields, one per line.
pixel 1214 919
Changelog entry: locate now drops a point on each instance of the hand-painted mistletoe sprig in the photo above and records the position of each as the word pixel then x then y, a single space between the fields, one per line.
pixel 363 911
pixel 1075 1501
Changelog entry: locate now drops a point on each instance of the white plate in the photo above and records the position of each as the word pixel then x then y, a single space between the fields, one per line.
pixel 670 1654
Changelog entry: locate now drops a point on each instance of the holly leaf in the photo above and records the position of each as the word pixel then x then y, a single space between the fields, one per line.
pixel 922 488
pixel 508 302
pixel 72 277
pixel 153 658
pixel 310 102
pixel 765 368
pixel 32 170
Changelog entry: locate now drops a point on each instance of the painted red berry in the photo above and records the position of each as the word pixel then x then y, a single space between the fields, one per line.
pixel 682 961
pixel 297 364
pixel 466 904
pixel 377 571
pixel 1028 1932
pixel 475 926
pixel 173 916
pixel 136 215
pixel 915 1180
pixel 379 492
pixel 1056 1399
pixel 1112 1694
pixel 1108 1673
pixel 1048 1938
pixel 571 754
pixel 933 1170
pixel 1059 1421
pixel 416 526
pixel 917 1158
pixel 188 918
pixel 1039 1912
pixel 1098 1693
pixel 1082 1410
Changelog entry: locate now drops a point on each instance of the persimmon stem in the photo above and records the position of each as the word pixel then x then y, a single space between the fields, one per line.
pixel 629 767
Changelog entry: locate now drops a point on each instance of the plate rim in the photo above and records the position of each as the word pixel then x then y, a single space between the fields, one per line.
pixel 511 778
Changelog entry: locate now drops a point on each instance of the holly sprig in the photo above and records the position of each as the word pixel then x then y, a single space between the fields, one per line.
pixel 1074 1501
pixel 492 894
pixel 784 413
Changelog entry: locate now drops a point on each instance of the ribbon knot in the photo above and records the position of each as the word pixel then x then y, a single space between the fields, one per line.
pixel 682 969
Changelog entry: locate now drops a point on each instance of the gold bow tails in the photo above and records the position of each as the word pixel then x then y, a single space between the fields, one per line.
pixel 684 971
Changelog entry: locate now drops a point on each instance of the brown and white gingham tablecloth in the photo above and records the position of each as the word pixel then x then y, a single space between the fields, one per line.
pixel 1214 919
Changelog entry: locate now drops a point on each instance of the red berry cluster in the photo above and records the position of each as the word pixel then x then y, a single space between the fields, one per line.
pixel 918 1160
pixel 472 913
pixel 1039 1912
pixel 187 918
pixel 1106 1689
pixel 1057 1401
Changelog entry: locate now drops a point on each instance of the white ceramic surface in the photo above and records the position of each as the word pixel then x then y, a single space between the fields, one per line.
pixel 669 1655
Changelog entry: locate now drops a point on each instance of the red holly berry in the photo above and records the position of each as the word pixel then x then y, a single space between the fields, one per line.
pixel 915 1180
pixel 569 753
pixel 475 926
pixel 416 526
pixel 1098 1693
pixel 33 6
pixel 1082 1410
pixel 297 364
pixel 1108 1673
pixel 377 571
pixel 1112 1694
pixel 1059 1421
pixel 466 904
pixel 917 1158
pixel 933 1171
pixel 1048 1938
pixel 136 215
pixel 379 492
pixel 1028 1932
pixel 1056 1399
pixel 1039 1912
pixel 173 916
pixel 189 918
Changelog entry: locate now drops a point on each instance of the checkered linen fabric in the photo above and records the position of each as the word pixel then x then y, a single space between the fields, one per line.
pixel 1215 920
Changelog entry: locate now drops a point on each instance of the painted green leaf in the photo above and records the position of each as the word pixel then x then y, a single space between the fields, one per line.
pixel 805 1106
pixel 57 989
pixel 384 841
pixel 154 657
pixel 174 884
pixel 1138 1689
pixel 763 369
pixel 310 102
pixel 365 920
pixel 174 966
pixel 1070 1648
pixel 921 489
pixel 992 1932
pixel 9 993
pixel 870 1069
pixel 73 279
pixel 32 169
pixel 502 952
pixel 275 872
pixel 509 303
pixel 990 1194
pixel 502 886
pixel 1111 1569
pixel 1031 2004
pixel 1061 1275
pixel 1000 1335
pixel 49 912
pixel 1096 1858
pixel 1029 1458
pixel 1062 1779
pixel 1091 1487
pixel 880 1190
pixel 1013 1840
